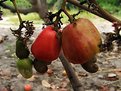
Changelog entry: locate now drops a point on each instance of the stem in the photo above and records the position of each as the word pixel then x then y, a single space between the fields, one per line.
pixel 71 19
pixel 71 74
pixel 57 20
pixel 14 3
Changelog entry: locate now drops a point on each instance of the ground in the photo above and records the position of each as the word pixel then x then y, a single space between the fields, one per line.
pixel 108 78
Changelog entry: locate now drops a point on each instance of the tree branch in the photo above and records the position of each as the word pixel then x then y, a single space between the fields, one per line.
pixel 71 74
pixel 42 9
pixel 100 12
pixel 77 3
pixel 24 11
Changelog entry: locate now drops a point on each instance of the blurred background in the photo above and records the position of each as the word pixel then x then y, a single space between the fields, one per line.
pixel 112 6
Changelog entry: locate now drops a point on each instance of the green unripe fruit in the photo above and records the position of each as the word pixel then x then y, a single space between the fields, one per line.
pixel 25 67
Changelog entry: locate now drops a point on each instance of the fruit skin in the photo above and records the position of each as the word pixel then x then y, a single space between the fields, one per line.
pixel 46 46
pixel 22 50
pixel 80 41
pixel 25 67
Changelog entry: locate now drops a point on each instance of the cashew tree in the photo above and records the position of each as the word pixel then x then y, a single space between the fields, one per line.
pixel 67 54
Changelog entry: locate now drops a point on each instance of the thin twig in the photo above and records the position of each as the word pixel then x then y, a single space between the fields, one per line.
pixel 65 11
pixel 14 3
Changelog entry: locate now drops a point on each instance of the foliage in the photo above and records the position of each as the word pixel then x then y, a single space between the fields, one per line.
pixel 20 3
pixel 112 2
pixel 110 5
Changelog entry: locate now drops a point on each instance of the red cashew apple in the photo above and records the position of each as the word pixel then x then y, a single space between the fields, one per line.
pixel 80 41
pixel 47 46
